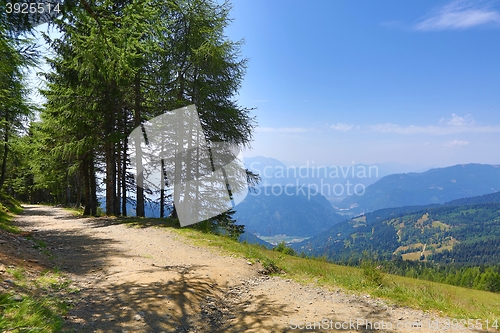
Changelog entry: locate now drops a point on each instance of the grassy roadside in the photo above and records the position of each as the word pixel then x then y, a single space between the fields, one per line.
pixel 446 300
pixel 31 300
pixel 33 304
pixel 9 207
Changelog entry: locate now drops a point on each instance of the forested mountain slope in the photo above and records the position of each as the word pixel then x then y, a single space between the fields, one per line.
pixel 466 234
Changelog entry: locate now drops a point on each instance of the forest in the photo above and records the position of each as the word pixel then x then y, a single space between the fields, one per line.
pixel 113 65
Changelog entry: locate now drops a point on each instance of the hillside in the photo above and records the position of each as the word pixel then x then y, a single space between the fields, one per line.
pixel 252 239
pixel 466 235
pixel 433 186
pixel 487 198
pixel 300 214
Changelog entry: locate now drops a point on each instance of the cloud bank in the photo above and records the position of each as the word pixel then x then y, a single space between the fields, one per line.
pixel 342 127
pixel 455 125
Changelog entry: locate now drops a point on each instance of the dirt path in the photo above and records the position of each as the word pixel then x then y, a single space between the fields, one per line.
pixel 150 280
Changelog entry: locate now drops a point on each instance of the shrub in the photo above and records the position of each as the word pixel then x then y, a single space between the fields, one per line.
pixel 281 247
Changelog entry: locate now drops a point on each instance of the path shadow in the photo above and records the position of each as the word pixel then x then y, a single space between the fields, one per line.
pixel 77 253
pixel 71 250
pixel 135 222
pixel 188 303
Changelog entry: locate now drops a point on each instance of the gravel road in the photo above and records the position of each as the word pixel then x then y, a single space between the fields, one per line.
pixel 153 280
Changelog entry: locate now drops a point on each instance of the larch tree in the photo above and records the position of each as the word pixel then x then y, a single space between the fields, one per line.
pixel 16 54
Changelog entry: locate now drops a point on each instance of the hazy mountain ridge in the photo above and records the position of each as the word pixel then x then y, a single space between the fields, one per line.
pixel 335 182
pixel 252 239
pixel 487 198
pixel 433 186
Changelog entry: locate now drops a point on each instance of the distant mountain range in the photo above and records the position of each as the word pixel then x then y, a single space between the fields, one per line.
pixel 465 231
pixel 432 186
pixel 282 208
pixel 332 181
pixel 297 211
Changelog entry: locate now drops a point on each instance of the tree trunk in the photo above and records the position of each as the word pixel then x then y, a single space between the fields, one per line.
pixel 87 188
pixel 124 178
pixel 78 186
pixel 110 179
pixel 118 178
pixel 68 190
pixel 162 190
pixel 93 188
pixel 137 123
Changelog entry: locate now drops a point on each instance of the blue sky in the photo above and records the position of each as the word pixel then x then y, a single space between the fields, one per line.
pixel 413 82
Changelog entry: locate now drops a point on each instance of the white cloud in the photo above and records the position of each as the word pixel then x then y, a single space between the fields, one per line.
pixel 342 127
pixel 459 121
pixel 282 130
pixel 461 14
pixel 455 125
pixel 456 143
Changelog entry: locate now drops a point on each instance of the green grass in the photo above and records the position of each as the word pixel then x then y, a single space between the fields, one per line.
pixel 76 211
pixel 41 306
pixel 42 246
pixel 28 315
pixel 8 208
pixel 447 300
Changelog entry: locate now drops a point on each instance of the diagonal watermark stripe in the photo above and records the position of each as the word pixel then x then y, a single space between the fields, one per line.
pixel 208 178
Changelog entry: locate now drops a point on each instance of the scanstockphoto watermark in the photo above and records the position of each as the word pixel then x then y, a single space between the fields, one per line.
pixel 311 171
pixel 309 190
pixel 207 178
pixel 364 324
pixel 311 179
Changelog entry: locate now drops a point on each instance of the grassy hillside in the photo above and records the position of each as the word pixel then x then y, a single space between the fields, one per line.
pixel 42 312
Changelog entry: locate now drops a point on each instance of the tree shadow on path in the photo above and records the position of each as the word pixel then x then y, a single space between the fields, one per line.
pixel 187 303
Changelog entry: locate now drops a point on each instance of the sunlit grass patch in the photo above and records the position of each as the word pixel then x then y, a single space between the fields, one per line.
pixel 28 314
pixel 34 304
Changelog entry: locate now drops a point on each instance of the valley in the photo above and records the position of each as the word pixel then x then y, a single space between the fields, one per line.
pixel 445 219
